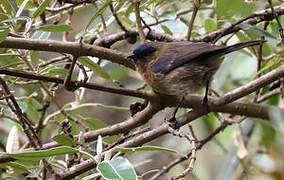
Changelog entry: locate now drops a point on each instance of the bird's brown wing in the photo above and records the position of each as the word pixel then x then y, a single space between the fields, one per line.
pixel 177 54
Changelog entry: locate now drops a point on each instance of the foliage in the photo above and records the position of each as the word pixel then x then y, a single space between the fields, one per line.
pixel 91 124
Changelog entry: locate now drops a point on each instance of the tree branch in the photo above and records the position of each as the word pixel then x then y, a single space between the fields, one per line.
pixel 253 19
pixel 116 90
pixel 74 48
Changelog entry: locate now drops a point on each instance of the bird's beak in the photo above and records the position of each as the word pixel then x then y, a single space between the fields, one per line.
pixel 131 56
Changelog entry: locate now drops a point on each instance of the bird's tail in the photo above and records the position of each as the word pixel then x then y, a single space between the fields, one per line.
pixel 241 45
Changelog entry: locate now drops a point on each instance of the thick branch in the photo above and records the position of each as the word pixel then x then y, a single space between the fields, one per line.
pixel 74 48
pixel 186 118
pixel 251 110
pixel 253 19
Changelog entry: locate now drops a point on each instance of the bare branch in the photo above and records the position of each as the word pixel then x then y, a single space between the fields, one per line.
pixel 74 48
pixel 196 4
pixel 136 4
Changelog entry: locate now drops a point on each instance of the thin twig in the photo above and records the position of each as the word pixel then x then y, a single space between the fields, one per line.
pixel 122 27
pixel 200 144
pixel 123 138
pixel 54 60
pixel 190 10
pixel 67 22
pixel 138 21
pixel 23 82
pixel 22 117
pixel 280 28
pixel 196 4
pixel 282 88
pixel 67 81
pixel 116 90
pixel 268 95
pixel 102 19
pixel 259 61
pixel 62 8
pixel 193 150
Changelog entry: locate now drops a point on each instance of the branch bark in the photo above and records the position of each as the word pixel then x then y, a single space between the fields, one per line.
pixel 74 48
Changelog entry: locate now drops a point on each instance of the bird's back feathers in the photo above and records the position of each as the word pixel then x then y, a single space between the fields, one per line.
pixel 177 54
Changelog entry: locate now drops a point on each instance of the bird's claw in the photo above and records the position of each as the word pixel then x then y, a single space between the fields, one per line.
pixel 172 121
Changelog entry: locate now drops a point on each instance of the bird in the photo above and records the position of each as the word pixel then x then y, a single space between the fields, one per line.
pixel 182 67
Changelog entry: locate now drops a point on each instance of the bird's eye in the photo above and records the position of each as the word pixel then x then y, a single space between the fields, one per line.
pixel 143 50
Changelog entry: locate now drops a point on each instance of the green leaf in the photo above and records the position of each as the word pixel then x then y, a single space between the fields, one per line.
pixel 94 123
pixel 15 167
pixel 118 168
pixel 61 73
pixel 41 35
pixel 147 4
pixel 3 17
pixel 99 12
pixel 41 8
pixel 257 30
pixel 11 65
pixel 146 148
pixel 8 58
pixel 4 31
pixel 274 100
pixel 129 10
pixel 166 30
pixel 7 8
pixel 268 135
pixel 273 27
pixel 34 58
pixel 64 139
pixel 21 8
pixel 210 24
pixel 30 106
pixel 248 8
pixel 168 15
pixel 195 34
pixel 75 128
pixel 93 66
pixel 272 63
pixel 210 122
pixel 29 4
pixel 118 73
pixel 118 7
pixel 127 21
pixel 40 154
pixel 225 9
pixel 110 139
pixel 55 28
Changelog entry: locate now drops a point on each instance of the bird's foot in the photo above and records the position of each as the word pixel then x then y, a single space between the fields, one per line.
pixel 172 121
pixel 206 105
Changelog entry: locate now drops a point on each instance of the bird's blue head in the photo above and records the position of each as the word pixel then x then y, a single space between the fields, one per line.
pixel 140 52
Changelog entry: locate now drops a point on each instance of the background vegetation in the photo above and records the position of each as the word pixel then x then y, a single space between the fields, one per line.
pixel 66 86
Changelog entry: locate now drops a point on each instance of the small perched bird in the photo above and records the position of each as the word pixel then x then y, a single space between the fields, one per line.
pixel 181 68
